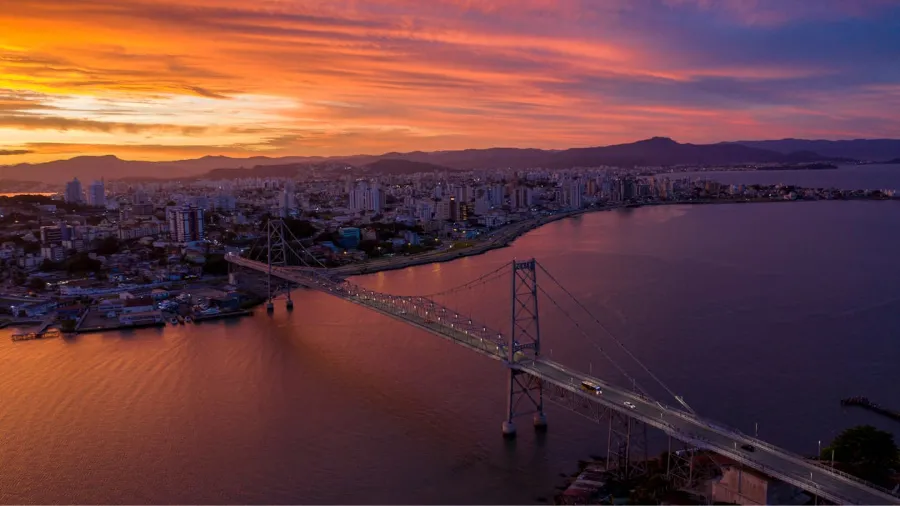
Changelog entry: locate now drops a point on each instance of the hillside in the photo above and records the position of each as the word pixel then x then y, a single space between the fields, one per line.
pixel 859 149
pixel 655 151
pixel 395 166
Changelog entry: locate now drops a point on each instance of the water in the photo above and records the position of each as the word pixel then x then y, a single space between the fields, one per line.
pixel 755 313
pixel 845 177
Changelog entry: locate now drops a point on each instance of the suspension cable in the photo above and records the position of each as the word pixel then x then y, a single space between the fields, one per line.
pixel 584 334
pixel 619 343
pixel 483 279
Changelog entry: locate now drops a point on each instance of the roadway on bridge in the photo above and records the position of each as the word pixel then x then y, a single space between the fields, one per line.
pixel 766 458
pixel 682 425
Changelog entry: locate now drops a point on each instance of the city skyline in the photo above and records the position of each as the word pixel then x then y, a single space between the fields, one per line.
pixel 181 79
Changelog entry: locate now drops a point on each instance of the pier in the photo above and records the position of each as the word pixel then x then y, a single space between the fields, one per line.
pixel 216 316
pixel 865 403
pixel 43 334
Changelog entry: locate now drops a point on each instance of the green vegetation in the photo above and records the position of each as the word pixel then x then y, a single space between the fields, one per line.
pixel 37 284
pixel 215 265
pixel 81 263
pixel 865 452
pixel 67 325
pixel 107 246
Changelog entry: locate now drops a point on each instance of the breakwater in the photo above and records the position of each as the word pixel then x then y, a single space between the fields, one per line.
pixel 865 403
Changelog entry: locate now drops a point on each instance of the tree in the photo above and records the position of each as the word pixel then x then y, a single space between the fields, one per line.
pixel 215 265
pixel 82 263
pixel 370 247
pixel 37 284
pixel 108 246
pixel 864 451
pixel 301 229
pixel 48 265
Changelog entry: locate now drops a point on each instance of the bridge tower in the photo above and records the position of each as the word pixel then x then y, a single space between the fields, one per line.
pixel 525 392
pixel 276 257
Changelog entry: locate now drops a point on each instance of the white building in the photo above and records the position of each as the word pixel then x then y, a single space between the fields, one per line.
pixel 572 195
pixel 286 203
pixel 74 194
pixel 96 194
pixel 365 198
pixel 185 224
pixel 522 198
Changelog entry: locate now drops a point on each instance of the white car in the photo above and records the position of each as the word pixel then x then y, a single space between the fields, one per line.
pixel 629 405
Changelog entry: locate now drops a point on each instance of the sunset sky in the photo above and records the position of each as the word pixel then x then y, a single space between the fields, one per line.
pixel 172 79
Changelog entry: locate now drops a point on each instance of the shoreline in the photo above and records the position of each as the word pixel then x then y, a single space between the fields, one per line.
pixel 519 229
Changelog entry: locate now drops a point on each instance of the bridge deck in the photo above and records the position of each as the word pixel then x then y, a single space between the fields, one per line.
pixel 444 322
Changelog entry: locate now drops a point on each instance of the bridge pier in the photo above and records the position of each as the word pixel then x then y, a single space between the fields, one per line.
pixel 270 306
pixel 540 422
pixel 509 429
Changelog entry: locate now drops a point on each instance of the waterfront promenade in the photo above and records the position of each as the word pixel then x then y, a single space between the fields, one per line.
pixel 506 234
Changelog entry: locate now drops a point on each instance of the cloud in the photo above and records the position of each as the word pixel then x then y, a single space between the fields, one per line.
pixel 13 152
pixel 344 77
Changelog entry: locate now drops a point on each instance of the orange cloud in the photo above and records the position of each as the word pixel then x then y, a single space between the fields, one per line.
pixel 156 79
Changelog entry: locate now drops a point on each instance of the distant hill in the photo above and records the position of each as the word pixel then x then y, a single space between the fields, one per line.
pixel 859 149
pixel 655 151
pixel 665 151
pixel 396 166
pixel 89 168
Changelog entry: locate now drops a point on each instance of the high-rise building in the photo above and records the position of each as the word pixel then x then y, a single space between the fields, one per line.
pixel 365 198
pixel 376 199
pixel 286 202
pixel 96 194
pixel 497 195
pixel 74 194
pixel 185 223
pixel 573 195
pixel 141 197
pixel 522 198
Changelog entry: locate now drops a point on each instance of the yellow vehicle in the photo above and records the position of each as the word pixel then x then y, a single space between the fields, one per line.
pixel 590 387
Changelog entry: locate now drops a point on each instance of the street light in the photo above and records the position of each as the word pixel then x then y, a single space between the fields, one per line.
pixel 819 455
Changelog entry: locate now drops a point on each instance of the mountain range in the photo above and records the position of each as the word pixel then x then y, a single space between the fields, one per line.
pixel 655 151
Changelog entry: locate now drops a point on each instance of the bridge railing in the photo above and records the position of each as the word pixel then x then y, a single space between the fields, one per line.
pixel 427 313
pixel 776 449
pixel 699 441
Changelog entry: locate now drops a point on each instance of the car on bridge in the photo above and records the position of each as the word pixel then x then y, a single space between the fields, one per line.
pixel 629 405
pixel 590 387
pixel 748 447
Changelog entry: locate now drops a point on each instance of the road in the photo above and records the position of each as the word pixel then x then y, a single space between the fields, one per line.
pixel 766 458
pixel 492 240
pixel 444 322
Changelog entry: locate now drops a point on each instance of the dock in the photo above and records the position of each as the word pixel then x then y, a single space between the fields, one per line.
pixel 120 326
pixel 229 314
pixel 43 334
pixel 865 403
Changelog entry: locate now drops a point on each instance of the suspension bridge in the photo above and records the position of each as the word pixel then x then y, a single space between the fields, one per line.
pixel 533 379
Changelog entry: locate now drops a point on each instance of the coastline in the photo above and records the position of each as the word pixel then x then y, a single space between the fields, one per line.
pixel 506 235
